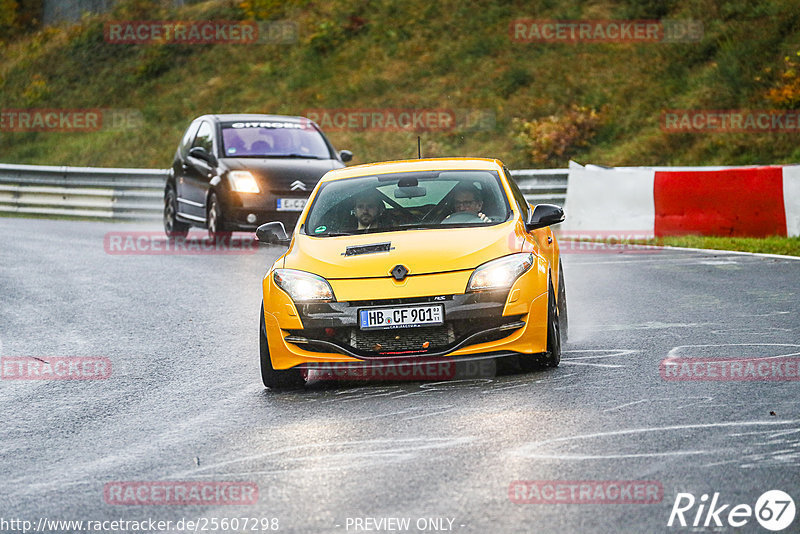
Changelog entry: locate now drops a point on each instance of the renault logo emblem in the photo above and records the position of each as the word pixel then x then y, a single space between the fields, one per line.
pixel 399 272
pixel 297 185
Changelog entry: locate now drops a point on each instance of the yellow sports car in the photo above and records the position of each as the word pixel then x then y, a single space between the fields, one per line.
pixel 413 260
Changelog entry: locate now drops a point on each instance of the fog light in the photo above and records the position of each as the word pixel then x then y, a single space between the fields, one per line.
pixel 251 218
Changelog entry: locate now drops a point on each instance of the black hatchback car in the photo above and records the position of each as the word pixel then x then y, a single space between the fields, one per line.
pixel 234 172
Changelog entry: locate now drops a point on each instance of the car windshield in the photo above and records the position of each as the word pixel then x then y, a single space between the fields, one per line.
pixel 410 200
pixel 273 139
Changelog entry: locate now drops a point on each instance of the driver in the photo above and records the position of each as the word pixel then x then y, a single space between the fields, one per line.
pixel 368 210
pixel 467 199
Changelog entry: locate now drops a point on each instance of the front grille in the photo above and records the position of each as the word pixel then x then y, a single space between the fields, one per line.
pixel 403 339
pixel 472 318
pixel 405 300
pixel 411 341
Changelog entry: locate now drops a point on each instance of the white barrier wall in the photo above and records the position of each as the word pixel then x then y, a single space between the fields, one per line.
pixel 791 199
pixel 609 201
pixel 662 201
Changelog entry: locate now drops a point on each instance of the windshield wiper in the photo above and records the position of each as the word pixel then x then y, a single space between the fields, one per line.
pixel 418 226
pixel 303 156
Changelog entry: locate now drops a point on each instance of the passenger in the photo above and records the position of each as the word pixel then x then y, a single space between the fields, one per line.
pixel 467 199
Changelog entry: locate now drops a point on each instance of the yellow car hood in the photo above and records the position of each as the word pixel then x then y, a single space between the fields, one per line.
pixel 420 251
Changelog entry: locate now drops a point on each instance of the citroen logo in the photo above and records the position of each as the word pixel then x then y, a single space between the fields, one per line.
pixel 399 272
pixel 297 185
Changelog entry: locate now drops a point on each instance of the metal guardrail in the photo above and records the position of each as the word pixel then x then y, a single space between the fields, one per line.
pixel 543 186
pixel 137 194
pixel 86 192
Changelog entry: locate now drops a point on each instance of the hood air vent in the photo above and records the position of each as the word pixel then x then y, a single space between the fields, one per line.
pixel 357 250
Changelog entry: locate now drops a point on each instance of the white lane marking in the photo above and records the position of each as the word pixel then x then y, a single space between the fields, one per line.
pixel 718 262
pixel 736 253
pixel 614 353
pixel 390 414
pixel 633 261
pixel 625 405
pixel 400 449
pixel 506 387
pixel 772 433
pixel 625 456
pixel 440 411
pixel 738 332
pixel 764 314
pixel 650 325
pixel 604 365
pixel 529 450
pixel 698 400
pixel 676 351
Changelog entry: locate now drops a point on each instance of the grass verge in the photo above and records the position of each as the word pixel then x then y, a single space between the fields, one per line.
pixel 787 246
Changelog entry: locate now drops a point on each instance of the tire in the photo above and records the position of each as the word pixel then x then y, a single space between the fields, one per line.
pixel 272 378
pixel 173 227
pixel 216 219
pixel 562 304
pixel 553 355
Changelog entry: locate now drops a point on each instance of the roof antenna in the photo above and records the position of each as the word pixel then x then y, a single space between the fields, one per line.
pixel 419 148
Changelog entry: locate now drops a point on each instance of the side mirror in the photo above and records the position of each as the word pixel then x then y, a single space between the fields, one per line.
pixel 272 233
pixel 203 154
pixel 345 155
pixel 544 215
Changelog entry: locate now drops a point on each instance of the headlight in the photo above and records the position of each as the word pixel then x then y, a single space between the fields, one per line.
pixel 500 273
pixel 243 182
pixel 303 286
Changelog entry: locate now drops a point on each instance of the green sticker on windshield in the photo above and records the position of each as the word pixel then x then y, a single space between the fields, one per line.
pixel 320 229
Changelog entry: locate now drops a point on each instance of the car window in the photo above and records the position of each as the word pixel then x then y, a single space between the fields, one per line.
pixel 518 196
pixel 410 200
pixel 273 139
pixel 188 137
pixel 204 137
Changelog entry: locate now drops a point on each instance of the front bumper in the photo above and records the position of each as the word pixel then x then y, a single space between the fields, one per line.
pixel 470 318
pixel 507 323
pixel 238 206
pixel 236 219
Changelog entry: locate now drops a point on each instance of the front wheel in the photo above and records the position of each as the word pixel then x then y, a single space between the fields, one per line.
pixel 173 227
pixel 562 304
pixel 553 355
pixel 271 377
pixel 216 219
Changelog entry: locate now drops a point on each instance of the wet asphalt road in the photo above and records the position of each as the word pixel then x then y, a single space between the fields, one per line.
pixel 184 400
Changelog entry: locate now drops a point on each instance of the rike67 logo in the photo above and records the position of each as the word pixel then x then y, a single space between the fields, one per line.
pixel 774 510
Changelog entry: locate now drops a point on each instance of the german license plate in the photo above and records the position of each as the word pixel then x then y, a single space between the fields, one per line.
pixel 401 317
pixel 291 204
